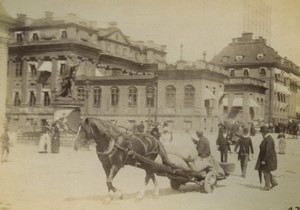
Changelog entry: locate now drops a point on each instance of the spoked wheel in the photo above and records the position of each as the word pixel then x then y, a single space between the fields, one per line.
pixel 210 182
pixel 175 185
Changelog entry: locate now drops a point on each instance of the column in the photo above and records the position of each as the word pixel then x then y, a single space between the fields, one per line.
pixel 10 81
pixel 24 85
pixel 3 78
pixel 54 75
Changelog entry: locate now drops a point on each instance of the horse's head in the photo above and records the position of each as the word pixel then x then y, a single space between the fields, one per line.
pixel 84 134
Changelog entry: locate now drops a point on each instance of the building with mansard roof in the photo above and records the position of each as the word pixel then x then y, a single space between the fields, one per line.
pixel 262 86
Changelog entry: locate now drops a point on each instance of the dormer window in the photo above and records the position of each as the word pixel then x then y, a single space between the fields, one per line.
pixel 19 36
pixel 238 58
pixel 63 34
pixel 262 71
pixel 35 37
pixel 225 59
pixel 246 72
pixel 259 56
pixel 231 72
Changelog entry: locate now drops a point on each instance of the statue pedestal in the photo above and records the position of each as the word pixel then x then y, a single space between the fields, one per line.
pixel 67 111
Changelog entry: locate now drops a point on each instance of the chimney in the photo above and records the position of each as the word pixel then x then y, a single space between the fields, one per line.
pixel 247 36
pixel 49 15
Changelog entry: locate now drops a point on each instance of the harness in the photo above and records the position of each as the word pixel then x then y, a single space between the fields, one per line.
pixel 128 151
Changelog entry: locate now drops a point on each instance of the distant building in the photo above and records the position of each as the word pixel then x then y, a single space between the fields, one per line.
pixel 262 86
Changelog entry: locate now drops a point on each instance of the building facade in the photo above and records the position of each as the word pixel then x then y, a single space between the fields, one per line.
pixel 258 73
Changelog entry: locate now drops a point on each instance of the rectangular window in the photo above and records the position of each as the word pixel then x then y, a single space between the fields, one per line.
pixel 17 99
pixel 80 94
pixel 114 96
pixel 97 97
pixel 18 69
pixel 46 99
pixel 32 98
pixel 19 37
pixel 33 69
pixel 62 69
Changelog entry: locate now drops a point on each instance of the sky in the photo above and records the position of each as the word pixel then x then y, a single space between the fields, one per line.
pixel 199 25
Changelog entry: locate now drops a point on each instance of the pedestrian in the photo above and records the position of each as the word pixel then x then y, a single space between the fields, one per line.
pixel 203 146
pixel 281 143
pixel 267 159
pixel 141 127
pixel 223 144
pixel 244 144
pixel 155 131
pixel 55 138
pixel 45 141
pixel 4 145
pixel 166 137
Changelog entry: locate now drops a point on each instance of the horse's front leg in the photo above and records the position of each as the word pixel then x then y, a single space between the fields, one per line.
pixel 141 193
pixel 156 187
pixel 111 189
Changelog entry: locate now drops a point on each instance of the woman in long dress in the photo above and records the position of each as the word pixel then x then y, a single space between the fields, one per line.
pixel 45 141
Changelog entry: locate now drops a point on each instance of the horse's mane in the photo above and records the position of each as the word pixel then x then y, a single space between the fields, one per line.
pixel 101 126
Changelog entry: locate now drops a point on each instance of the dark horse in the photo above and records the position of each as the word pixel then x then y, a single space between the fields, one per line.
pixel 116 149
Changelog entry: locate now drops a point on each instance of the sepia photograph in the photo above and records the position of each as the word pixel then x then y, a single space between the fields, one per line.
pixel 150 104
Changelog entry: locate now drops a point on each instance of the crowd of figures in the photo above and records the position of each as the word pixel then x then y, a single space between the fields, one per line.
pixel 292 128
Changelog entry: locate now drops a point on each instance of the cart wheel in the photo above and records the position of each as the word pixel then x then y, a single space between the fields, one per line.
pixel 175 185
pixel 210 182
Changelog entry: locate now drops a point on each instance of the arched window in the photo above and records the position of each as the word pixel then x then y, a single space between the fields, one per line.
pixel 114 96
pixel 189 96
pixel 246 72
pixel 97 96
pixel 80 94
pixel 150 96
pixel 132 96
pixel 170 97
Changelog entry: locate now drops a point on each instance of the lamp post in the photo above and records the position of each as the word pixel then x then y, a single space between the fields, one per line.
pixel 87 91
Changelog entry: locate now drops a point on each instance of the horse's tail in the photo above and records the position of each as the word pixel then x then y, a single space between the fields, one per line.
pixel 164 155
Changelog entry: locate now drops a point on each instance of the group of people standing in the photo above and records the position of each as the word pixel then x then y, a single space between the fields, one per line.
pixel 50 139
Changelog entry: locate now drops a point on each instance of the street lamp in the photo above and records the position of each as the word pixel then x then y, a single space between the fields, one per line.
pixel 87 90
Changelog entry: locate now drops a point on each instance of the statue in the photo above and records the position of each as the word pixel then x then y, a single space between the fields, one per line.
pixel 68 80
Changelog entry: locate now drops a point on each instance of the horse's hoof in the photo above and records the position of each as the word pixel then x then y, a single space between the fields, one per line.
pixel 119 195
pixel 139 198
pixel 156 196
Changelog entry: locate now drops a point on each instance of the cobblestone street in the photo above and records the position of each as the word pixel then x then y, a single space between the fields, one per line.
pixel 75 180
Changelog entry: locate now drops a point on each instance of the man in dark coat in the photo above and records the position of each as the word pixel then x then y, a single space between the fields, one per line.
pixel 203 147
pixel 155 132
pixel 245 147
pixel 267 158
pixel 223 144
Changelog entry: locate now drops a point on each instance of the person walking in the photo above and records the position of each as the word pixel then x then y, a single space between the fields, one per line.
pixel 45 141
pixel 281 143
pixel 223 144
pixel 244 144
pixel 4 145
pixel 267 159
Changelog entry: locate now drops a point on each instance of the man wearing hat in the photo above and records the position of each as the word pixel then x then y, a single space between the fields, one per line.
pixel 245 147
pixel 267 159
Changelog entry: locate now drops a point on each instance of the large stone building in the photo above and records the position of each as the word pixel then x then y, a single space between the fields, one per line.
pixel 263 86
pixel 5 23
pixel 117 79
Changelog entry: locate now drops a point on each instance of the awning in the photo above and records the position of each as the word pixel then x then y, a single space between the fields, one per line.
pixel 46 66
pixel 278 71
pixel 237 101
pixel 209 95
pixel 281 88
pixel 253 103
